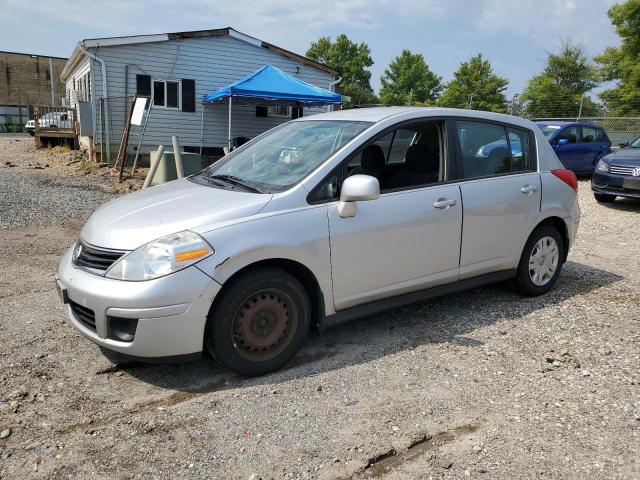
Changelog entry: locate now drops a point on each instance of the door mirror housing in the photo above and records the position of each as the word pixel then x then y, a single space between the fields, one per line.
pixel 358 188
pixel 623 144
pixel 563 141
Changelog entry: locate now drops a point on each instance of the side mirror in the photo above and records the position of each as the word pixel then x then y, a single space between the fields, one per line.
pixel 358 188
pixel 563 141
pixel 623 144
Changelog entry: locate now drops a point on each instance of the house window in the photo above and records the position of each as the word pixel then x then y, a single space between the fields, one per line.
pixel 166 94
pixel 279 111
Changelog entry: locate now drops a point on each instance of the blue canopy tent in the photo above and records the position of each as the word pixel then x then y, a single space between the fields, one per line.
pixel 270 85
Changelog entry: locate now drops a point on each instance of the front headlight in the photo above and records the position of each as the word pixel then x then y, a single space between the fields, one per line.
pixel 602 166
pixel 161 257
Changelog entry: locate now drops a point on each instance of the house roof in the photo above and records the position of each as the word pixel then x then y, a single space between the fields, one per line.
pixel 77 54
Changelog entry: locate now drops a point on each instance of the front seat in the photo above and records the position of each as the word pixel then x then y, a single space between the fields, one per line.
pixel 372 163
pixel 420 168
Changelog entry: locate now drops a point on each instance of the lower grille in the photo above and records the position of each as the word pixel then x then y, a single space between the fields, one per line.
pixel 97 258
pixel 621 170
pixel 84 315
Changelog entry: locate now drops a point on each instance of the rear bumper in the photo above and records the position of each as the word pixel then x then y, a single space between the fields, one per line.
pixel 612 185
pixel 168 315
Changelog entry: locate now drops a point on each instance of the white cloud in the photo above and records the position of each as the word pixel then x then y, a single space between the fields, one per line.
pixel 549 22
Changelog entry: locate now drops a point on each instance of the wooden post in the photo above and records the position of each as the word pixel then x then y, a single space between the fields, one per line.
pixel 154 166
pixel 36 121
pixel 125 141
pixel 177 156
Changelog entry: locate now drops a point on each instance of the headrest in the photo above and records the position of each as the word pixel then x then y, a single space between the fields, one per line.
pixel 373 158
pixel 419 158
pixel 499 153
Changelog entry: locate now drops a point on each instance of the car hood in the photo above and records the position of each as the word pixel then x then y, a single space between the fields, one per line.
pixel 138 218
pixel 625 156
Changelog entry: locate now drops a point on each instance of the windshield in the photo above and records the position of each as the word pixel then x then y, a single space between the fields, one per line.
pixel 549 130
pixel 285 155
pixel 636 143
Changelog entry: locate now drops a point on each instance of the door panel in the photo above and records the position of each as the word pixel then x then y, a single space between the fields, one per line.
pixel 497 215
pixel 396 244
pixel 571 153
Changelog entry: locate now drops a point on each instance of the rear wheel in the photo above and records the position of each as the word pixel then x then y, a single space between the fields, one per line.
pixel 541 261
pixel 604 198
pixel 260 323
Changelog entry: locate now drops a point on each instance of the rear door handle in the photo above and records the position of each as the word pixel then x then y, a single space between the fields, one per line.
pixel 529 189
pixel 443 203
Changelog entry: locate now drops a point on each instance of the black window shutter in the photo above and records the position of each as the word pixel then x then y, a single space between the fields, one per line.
pixel 188 95
pixel 143 85
pixel 261 111
pixel 296 112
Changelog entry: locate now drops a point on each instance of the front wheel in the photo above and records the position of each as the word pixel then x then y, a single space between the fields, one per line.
pixel 541 261
pixel 260 322
pixel 604 198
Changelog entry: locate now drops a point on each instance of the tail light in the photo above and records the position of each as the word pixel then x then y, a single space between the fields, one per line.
pixel 567 176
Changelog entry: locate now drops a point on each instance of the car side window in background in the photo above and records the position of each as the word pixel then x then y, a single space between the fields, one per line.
pixel 601 136
pixel 520 143
pixel 570 133
pixel 402 140
pixel 484 149
pixel 589 135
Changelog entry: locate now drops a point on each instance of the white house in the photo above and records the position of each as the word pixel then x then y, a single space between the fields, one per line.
pixel 177 70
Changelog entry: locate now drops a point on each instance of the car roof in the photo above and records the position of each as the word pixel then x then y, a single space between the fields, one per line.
pixel 378 114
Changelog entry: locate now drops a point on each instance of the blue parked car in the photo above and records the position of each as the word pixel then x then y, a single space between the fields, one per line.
pixel 579 146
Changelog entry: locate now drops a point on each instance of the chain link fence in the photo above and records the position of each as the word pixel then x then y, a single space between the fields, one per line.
pixel 618 128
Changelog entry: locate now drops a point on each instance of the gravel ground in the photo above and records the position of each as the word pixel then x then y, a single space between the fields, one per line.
pixel 484 384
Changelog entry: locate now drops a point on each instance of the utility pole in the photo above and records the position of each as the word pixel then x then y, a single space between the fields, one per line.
pixel 513 103
pixel 580 109
pixel 53 90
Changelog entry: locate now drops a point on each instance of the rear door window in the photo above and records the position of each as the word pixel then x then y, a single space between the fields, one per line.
pixel 589 135
pixel 520 145
pixel 489 149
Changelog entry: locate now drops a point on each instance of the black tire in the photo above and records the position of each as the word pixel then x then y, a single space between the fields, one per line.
pixel 260 323
pixel 523 281
pixel 604 198
pixel 32 133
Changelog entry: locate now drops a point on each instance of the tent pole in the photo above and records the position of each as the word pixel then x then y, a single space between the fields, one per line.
pixel 229 133
pixel 201 129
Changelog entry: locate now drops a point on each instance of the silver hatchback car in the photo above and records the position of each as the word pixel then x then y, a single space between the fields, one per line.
pixel 318 221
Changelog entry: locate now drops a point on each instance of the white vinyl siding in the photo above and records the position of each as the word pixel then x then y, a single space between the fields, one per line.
pixel 213 62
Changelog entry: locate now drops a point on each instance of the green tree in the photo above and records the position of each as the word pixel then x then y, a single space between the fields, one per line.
pixel 558 91
pixel 475 86
pixel 408 80
pixel 622 64
pixel 352 60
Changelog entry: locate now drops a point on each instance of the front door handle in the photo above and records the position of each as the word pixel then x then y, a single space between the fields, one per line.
pixel 443 203
pixel 529 189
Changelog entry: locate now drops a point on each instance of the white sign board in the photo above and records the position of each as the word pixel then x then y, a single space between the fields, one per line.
pixel 138 111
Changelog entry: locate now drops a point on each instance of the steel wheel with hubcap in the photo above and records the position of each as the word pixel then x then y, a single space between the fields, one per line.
pixel 260 321
pixel 541 261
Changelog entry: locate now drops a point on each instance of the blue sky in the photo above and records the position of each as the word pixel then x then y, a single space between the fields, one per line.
pixel 514 34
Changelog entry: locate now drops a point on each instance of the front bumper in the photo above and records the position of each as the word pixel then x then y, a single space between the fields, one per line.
pixel 169 313
pixel 611 184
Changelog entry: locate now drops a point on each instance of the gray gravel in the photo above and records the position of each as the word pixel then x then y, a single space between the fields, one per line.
pixel 44 200
pixel 484 384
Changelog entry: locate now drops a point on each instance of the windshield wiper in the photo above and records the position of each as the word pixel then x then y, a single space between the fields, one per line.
pixel 236 181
